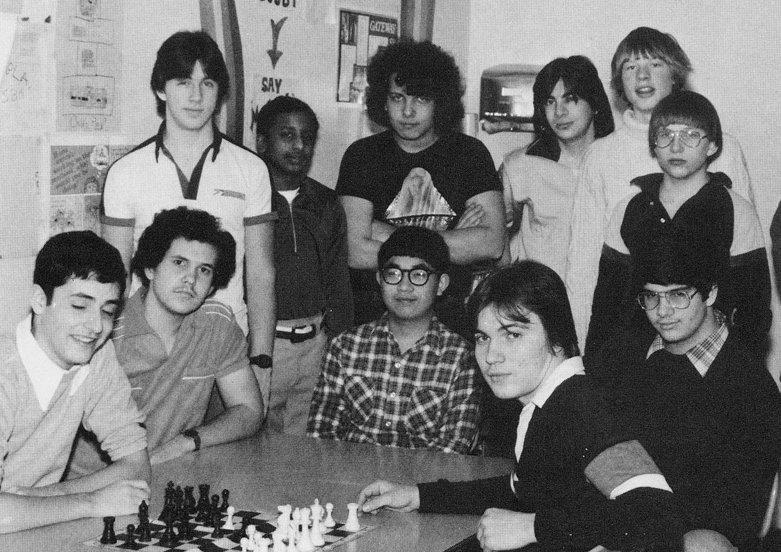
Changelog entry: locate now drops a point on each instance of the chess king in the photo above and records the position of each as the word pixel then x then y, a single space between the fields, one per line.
pixel 174 341
pixel 59 371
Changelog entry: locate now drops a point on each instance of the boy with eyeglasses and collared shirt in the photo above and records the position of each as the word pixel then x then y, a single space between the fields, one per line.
pixel 684 204
pixel 696 395
pixel 404 380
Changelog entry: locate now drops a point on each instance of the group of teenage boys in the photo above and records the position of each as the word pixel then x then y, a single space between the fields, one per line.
pixel 396 371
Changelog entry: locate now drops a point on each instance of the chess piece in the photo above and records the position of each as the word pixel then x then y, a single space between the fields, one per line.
pixel 189 500
pixel 317 510
pixel 218 532
pixel 283 521
pixel 317 531
pixel 244 543
pixel 261 544
pixel 295 525
pixel 168 538
pixel 352 524
pixel 278 542
pixel 225 495
pixel 185 529
pixel 228 525
pixel 203 504
pixel 305 539
pixel 144 528
pixel 250 532
pixel 108 537
pixel 329 518
pixel 131 537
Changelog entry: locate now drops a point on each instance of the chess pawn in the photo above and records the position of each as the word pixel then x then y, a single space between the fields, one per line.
pixel 352 524
pixel 317 531
pixel 244 543
pixel 225 495
pixel 261 544
pixel 131 537
pixel 305 540
pixel 329 518
pixel 228 525
pixel 278 540
pixel 251 529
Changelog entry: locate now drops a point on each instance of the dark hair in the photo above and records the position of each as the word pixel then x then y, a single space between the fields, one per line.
pixel 176 59
pixel 419 242
pixel 81 254
pixel 686 108
pixel 696 265
pixel 526 286
pixel 192 225
pixel 423 69
pixel 581 78
pixel 264 118
pixel 648 42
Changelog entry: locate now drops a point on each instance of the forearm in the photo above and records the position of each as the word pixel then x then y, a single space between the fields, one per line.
pixel 261 311
pixel 25 512
pixel 132 467
pixel 478 243
pixel 466 497
pixel 120 237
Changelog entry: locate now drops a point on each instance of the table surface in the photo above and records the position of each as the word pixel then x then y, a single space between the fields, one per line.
pixel 265 471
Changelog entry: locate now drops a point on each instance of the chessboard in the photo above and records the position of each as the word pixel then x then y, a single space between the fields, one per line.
pixel 265 522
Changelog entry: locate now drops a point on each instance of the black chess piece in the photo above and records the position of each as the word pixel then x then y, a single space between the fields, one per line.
pixel 131 537
pixel 225 495
pixel 168 537
pixel 108 537
pixel 144 530
pixel 218 532
pixel 189 500
pixel 215 505
pixel 203 504
pixel 185 529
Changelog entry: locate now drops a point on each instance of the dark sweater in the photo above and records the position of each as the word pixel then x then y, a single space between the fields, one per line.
pixel 716 438
pixel 572 428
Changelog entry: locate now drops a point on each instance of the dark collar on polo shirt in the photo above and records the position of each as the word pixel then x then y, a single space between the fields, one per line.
pixel 650 183
pixel 189 185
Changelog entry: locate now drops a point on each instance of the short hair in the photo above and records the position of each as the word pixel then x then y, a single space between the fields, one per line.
pixel 687 108
pixel 176 59
pixel 191 225
pixel 423 69
pixel 696 265
pixel 264 118
pixel 418 242
pixel 580 78
pixel 651 43
pixel 529 286
pixel 80 254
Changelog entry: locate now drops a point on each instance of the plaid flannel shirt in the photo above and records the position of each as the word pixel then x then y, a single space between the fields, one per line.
pixel 370 392
pixel 704 353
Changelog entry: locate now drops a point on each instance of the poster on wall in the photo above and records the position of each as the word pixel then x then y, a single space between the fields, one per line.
pixel 77 177
pixel 88 60
pixel 19 196
pixel 360 37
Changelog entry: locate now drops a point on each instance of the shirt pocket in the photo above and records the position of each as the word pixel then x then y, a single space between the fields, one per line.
pixel 425 409
pixel 359 400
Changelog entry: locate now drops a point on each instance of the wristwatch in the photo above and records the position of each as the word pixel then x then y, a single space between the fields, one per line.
pixel 261 361
pixel 192 433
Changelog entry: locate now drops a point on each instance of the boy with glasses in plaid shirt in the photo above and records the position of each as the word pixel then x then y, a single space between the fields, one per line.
pixel 684 204
pixel 404 380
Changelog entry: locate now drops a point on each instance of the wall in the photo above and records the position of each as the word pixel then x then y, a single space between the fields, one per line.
pixel 731 45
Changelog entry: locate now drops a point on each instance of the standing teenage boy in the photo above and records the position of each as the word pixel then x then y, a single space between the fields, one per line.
pixel 648 65
pixel 422 171
pixel 175 343
pixel 60 371
pixel 684 204
pixel 404 380
pixel 314 298
pixel 189 162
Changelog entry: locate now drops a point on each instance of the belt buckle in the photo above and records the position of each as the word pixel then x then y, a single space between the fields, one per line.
pixel 296 337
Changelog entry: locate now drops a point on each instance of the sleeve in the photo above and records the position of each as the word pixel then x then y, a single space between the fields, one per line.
pixel 467 497
pixel 748 281
pixel 589 218
pixel 514 205
pixel 233 354
pixel 117 207
pixel 732 162
pixel 258 206
pixel 352 179
pixel 336 276
pixel 328 400
pixel 111 413
pixel 458 433
pixel 481 175
pixel 7 407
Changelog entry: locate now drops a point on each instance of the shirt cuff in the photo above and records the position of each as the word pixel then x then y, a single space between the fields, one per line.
pixel 651 480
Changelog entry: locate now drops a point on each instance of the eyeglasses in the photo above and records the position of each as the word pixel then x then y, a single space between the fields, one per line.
pixel 677 298
pixel 689 136
pixel 417 276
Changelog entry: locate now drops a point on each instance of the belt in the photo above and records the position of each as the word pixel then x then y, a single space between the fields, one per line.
pixel 297 334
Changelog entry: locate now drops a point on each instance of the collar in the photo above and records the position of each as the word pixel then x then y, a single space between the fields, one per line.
pixel 564 371
pixel 432 337
pixel 215 145
pixel 45 374
pixel 634 125
pixel 649 184
pixel 704 353
pixel 133 321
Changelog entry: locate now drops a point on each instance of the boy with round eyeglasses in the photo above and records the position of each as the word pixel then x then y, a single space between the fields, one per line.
pixel 684 204
pixel 405 380
pixel 696 395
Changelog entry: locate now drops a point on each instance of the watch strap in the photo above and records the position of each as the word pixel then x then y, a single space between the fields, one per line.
pixel 192 433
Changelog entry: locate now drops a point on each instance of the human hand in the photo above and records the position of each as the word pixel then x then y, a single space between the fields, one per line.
pixel 472 216
pixel 176 447
pixel 389 495
pixel 118 499
pixel 505 530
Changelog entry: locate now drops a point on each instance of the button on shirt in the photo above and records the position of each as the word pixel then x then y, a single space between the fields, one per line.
pixel 370 392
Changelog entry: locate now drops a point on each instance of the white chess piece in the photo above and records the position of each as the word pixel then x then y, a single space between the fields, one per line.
pixel 229 519
pixel 329 518
pixel 251 529
pixel 279 544
pixel 283 521
pixel 261 544
pixel 244 542
pixel 317 511
pixel 352 524
pixel 305 540
pixel 317 531
pixel 295 524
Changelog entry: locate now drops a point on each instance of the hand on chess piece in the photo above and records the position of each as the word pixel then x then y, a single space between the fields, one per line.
pixel 118 499
pixel 383 494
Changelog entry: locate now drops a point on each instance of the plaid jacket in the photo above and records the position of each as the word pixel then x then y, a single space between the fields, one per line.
pixel 370 392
